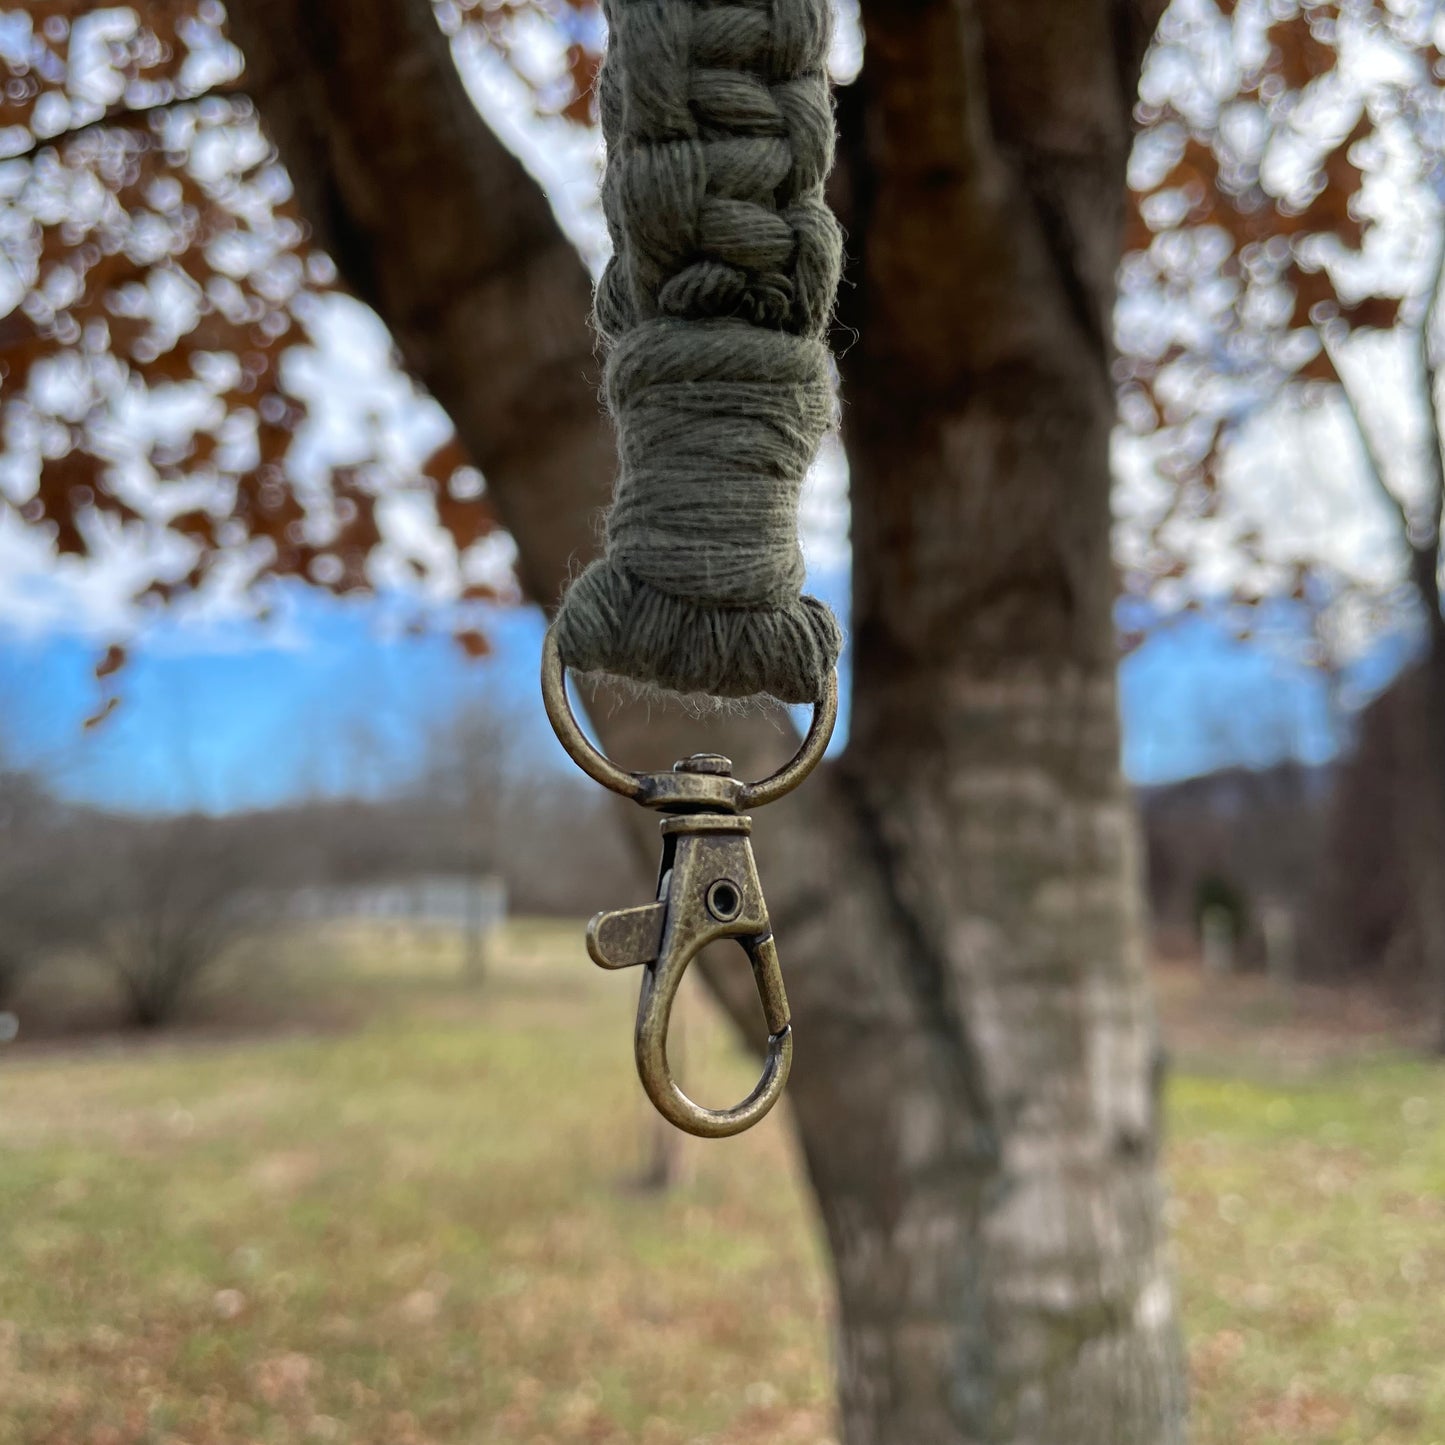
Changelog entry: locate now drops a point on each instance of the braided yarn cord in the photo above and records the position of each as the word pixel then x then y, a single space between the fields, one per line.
pixel 719 131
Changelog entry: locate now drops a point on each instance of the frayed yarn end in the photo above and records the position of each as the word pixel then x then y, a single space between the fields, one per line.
pixel 614 624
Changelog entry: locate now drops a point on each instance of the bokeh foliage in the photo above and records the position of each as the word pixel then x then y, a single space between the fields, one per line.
pixel 158 282
pixel 1287 184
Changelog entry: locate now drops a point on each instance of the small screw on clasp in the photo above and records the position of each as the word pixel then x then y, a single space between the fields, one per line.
pixel 708 890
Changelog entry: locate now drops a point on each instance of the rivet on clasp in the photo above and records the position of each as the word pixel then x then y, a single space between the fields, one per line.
pixel 708 890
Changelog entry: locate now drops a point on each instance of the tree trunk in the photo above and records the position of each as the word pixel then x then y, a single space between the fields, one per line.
pixel 957 903
pixel 1013 1231
pixel 1426 830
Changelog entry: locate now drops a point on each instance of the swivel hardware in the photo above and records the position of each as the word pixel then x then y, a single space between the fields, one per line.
pixel 708 890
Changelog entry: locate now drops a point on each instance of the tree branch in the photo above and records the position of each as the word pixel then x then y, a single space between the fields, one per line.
pixel 1374 459
pixel 121 117
pixel 1135 24
pixel 1428 550
pixel 1424 554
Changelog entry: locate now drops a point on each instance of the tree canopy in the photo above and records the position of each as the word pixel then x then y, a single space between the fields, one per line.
pixel 1288 181
pixel 167 312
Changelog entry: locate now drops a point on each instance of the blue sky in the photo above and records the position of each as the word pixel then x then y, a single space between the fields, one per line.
pixel 249 715
pixel 334 698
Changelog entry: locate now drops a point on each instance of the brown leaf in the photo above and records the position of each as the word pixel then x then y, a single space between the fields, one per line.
pixel 1319 368
pixel 171 366
pixel 198 526
pixel 1342 180
pixel 1328 213
pixel 1196 174
pixel 22 344
pixel 1377 312
pixel 1331 211
pixel 445 461
pixel 582 67
pixel 473 643
pixel 109 276
pixel 1298 55
pixel 1137 235
pixel 112 662
pixel 105 710
pixel 68 486
pixel 467 521
pixel 359 532
pixel 1311 289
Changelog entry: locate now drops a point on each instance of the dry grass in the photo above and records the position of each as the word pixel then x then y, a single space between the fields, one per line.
pixel 1307 1161
pixel 428 1229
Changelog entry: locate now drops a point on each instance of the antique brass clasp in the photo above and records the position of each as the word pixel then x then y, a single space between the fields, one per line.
pixel 708 890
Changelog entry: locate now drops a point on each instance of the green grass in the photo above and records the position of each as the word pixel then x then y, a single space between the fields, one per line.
pixel 1311 1234
pixel 427 1229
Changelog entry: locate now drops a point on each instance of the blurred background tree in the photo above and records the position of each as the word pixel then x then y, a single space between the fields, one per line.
pixel 1279 370
pixel 161 290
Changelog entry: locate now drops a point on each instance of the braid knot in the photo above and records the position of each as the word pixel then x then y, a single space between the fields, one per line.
pixel 719 131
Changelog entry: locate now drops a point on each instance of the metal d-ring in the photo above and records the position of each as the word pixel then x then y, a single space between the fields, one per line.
pixel 599 767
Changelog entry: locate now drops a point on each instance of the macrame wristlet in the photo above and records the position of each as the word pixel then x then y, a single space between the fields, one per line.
pixel 719 131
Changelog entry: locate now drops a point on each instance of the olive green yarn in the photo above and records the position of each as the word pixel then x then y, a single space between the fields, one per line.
pixel 719 131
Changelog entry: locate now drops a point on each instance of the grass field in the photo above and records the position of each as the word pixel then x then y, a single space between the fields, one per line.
pixel 425 1227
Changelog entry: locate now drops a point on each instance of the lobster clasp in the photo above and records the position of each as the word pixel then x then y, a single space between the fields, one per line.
pixel 708 890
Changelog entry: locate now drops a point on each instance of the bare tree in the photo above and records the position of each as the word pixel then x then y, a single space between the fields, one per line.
pixel 155 900
pixel 471 781
pixel 166 898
